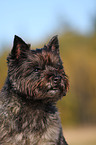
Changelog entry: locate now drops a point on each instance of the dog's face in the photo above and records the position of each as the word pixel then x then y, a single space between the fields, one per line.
pixel 37 74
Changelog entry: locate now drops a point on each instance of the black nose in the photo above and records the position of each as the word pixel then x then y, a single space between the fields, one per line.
pixel 57 79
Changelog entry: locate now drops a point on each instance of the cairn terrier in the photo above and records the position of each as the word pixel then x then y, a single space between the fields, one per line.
pixel 36 80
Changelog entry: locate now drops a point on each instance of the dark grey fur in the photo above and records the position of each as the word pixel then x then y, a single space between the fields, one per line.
pixel 36 81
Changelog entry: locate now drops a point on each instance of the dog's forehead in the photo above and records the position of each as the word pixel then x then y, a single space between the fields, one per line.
pixel 42 55
pixel 49 57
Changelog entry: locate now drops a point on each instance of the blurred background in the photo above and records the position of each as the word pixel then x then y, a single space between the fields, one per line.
pixel 75 23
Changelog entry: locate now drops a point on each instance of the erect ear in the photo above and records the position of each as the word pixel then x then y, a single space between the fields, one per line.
pixel 19 47
pixel 53 44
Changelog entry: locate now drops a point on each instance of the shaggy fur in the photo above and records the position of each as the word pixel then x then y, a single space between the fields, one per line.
pixel 36 80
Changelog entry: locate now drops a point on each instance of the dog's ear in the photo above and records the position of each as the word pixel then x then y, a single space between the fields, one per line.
pixel 53 44
pixel 19 47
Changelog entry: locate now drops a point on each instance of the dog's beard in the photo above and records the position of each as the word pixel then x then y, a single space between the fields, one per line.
pixel 42 87
pixel 53 89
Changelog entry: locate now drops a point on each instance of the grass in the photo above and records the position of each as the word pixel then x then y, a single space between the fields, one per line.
pixel 80 135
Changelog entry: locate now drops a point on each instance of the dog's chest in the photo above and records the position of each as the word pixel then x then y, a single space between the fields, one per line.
pixel 39 127
pixel 39 133
pixel 29 125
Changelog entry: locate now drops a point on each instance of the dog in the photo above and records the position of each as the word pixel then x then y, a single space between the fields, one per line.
pixel 36 80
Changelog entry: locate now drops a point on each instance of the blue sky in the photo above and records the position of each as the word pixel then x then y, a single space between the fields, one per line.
pixel 36 20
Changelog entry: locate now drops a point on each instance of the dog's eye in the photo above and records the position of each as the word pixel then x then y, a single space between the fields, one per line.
pixel 36 69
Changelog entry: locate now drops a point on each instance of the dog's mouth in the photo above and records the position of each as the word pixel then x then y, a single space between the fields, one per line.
pixel 53 89
pixel 56 89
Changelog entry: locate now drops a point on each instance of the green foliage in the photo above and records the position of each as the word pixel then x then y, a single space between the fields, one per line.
pixel 78 53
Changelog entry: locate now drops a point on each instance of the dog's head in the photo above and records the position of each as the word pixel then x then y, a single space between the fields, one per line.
pixel 37 74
